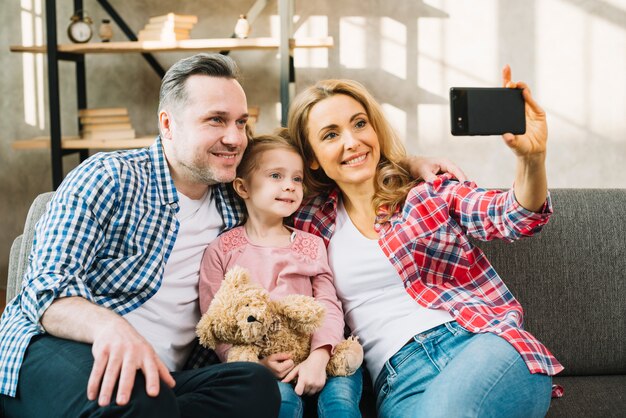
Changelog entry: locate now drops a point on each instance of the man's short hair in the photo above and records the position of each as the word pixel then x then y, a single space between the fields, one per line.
pixel 173 90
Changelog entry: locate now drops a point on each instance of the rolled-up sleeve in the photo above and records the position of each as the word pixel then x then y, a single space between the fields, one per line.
pixel 66 241
pixel 488 214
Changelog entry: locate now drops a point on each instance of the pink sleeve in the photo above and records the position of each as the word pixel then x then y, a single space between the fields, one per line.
pixel 212 270
pixel 211 275
pixel 331 331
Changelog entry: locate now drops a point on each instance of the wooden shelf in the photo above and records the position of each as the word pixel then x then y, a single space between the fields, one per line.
pixel 74 142
pixel 225 44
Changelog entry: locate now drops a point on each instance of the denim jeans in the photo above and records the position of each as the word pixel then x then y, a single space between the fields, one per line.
pixel 339 398
pixel 450 372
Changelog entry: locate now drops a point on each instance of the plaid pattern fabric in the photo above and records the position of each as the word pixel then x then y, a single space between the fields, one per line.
pixel 427 243
pixel 106 236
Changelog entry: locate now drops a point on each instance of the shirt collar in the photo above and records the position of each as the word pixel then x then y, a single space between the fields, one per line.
pixel 163 178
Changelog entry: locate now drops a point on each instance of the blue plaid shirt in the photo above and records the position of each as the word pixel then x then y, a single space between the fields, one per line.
pixel 106 236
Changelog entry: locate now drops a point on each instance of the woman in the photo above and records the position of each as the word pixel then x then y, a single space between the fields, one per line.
pixel 442 334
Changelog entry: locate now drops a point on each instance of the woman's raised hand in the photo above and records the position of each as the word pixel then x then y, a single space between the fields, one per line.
pixel 533 142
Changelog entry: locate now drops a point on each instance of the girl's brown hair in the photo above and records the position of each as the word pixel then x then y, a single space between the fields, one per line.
pixel 258 145
pixel 392 182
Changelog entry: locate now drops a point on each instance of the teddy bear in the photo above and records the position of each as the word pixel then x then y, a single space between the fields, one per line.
pixel 243 315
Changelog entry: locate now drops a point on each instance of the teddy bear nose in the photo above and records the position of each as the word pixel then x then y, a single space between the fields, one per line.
pixel 251 319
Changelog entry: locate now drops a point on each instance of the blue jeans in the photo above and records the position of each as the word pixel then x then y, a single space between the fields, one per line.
pixel 339 398
pixel 450 372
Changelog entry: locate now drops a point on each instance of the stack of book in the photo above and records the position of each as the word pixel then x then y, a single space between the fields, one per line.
pixel 168 28
pixel 106 123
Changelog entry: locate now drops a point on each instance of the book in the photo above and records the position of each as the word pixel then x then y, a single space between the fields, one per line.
pixel 169 25
pixel 117 134
pixel 166 32
pixel 173 17
pixel 101 120
pixel 106 127
pixel 110 111
pixel 164 37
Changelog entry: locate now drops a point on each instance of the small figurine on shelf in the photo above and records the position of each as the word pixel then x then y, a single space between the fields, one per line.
pixel 105 32
pixel 242 28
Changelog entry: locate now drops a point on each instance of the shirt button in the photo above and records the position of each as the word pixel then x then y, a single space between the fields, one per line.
pixel 476 329
pixel 499 330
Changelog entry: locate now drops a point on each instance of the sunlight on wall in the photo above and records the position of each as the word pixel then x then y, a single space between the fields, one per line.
pixel 393 47
pixel 314 27
pixel 607 84
pixel 586 101
pixel 352 36
pixel 32 34
pixel 397 118
pixel 453 53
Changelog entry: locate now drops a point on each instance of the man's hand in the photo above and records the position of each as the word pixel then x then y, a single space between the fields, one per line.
pixel 427 168
pixel 118 352
pixel 311 373
pixel 118 349
pixel 279 364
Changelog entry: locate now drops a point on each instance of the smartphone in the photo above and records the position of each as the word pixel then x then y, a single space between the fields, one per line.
pixel 486 111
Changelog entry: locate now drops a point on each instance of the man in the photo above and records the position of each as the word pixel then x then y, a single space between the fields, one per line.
pixel 110 297
pixel 110 300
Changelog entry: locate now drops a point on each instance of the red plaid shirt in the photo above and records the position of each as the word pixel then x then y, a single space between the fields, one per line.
pixel 427 243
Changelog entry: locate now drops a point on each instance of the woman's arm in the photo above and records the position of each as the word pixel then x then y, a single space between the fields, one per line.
pixel 531 184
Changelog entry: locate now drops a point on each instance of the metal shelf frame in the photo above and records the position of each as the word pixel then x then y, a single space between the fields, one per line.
pixel 287 71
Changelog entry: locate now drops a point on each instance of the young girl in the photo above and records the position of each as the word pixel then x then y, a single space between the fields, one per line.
pixel 284 261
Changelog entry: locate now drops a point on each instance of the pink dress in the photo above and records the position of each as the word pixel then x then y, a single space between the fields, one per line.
pixel 299 268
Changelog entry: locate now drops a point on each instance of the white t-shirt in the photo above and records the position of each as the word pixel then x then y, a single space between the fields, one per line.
pixel 168 319
pixel 376 306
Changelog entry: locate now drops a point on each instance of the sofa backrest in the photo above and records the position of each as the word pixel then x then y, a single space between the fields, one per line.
pixel 18 260
pixel 571 280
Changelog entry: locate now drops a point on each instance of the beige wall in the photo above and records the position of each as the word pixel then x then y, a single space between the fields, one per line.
pixel 572 53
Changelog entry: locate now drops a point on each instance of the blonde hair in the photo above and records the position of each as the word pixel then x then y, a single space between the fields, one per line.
pixel 392 181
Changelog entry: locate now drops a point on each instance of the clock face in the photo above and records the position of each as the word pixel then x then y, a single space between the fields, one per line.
pixel 80 32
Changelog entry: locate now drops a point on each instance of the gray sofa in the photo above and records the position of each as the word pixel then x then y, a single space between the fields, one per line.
pixel 571 280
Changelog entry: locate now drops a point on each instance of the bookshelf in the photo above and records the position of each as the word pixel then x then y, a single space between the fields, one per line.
pixel 60 145
pixel 187 45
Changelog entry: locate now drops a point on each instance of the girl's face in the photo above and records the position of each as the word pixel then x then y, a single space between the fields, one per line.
pixel 344 142
pixel 274 187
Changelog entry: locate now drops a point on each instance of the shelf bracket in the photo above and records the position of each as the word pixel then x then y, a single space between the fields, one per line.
pixel 287 72
pixel 131 36
pixel 54 99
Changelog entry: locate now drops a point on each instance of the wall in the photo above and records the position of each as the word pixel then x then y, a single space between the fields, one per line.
pixel 572 53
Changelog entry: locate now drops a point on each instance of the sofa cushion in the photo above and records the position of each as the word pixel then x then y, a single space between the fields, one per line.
pixel 571 280
pixel 590 396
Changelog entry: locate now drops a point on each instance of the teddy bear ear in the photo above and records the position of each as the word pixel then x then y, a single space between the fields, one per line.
pixel 237 276
pixel 204 331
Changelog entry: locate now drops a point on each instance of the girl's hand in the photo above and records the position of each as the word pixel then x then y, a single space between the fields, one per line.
pixel 310 375
pixel 533 142
pixel 279 364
